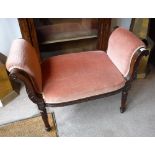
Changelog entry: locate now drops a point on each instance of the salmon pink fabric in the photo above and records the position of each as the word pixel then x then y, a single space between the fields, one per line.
pixel 23 56
pixel 79 75
pixel 121 48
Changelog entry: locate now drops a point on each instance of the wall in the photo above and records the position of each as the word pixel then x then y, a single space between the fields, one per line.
pixel 123 22
pixel 9 30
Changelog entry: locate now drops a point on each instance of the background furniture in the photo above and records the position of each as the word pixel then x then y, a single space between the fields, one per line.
pixel 77 77
pixel 151 34
pixel 58 36
pixel 141 27
pixel 7 91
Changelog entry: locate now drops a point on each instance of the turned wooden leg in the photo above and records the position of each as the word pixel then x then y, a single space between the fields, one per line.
pixel 44 115
pixel 123 101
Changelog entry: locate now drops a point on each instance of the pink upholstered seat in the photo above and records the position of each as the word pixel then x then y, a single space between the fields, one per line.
pixel 79 75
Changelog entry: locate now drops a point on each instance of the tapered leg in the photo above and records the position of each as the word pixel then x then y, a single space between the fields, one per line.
pixel 44 115
pixel 123 101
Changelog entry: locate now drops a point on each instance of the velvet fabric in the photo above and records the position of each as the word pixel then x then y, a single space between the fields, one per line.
pixel 23 56
pixel 121 47
pixel 75 76
pixel 79 75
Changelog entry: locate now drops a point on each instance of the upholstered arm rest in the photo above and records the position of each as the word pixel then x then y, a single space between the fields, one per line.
pixel 125 50
pixel 23 57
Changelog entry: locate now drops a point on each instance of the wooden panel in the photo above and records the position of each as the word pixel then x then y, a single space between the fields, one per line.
pixel 33 34
pixel 28 31
pixel 24 29
pixel 132 24
pixel 103 33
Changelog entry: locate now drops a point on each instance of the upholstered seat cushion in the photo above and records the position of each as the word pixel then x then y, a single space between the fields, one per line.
pixel 79 75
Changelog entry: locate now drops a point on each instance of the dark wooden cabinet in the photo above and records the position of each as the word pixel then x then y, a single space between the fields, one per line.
pixel 28 31
pixel 66 35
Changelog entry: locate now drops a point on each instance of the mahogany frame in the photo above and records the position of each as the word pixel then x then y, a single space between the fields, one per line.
pixel 18 75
